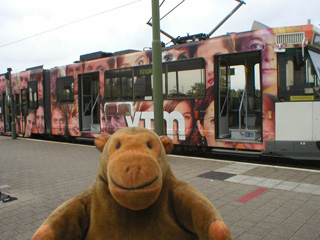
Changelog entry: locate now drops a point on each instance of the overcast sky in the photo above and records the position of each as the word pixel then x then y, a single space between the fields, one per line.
pixel 111 26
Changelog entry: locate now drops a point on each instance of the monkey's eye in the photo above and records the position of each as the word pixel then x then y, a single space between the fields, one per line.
pixel 118 145
pixel 149 145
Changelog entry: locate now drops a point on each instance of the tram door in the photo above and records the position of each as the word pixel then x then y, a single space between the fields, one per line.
pixel 239 102
pixel 89 102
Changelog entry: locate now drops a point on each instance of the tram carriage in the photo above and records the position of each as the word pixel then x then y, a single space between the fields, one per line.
pixel 253 92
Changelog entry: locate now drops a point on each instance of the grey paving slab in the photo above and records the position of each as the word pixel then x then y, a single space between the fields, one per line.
pixel 287 185
pixel 42 175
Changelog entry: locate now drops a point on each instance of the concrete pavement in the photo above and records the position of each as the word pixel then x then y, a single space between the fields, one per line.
pixel 256 202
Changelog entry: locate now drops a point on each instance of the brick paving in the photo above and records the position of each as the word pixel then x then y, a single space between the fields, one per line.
pixel 43 174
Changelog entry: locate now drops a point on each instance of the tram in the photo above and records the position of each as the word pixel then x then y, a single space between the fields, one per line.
pixel 254 92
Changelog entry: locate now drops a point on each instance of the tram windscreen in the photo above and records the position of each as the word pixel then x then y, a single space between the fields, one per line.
pixel 315 58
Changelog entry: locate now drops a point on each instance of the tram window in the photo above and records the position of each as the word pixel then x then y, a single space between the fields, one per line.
pixel 315 66
pixel 24 96
pixel 65 89
pixel 186 79
pixel 17 100
pixel 118 85
pixel 181 79
pixel 108 88
pixel 310 73
pixel 116 88
pixel 126 88
pixel 139 83
pixel 126 84
pixel 257 84
pixel 113 89
pixel 33 94
pixel 316 39
pixel 173 84
pixel 164 85
pixel 296 82
pixel 238 81
pixel 289 74
pixel 142 87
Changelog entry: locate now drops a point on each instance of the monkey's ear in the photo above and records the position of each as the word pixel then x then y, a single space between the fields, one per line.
pixel 167 143
pixel 101 140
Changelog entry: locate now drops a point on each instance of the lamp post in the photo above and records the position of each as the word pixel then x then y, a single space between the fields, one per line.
pixel 157 69
pixel 10 95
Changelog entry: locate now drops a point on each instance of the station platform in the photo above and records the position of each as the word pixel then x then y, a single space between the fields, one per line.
pixel 255 201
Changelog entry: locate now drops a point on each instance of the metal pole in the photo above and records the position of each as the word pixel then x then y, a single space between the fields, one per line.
pixel 13 124
pixel 157 69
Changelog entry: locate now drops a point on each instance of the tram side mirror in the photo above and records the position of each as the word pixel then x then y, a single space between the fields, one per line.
pixel 298 60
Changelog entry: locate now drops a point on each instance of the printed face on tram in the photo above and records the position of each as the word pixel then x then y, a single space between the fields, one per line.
pixel 2 84
pixel 98 66
pixel 14 82
pixel 73 125
pixel 38 77
pixel 17 126
pixel 40 119
pixel 264 40
pixel 115 116
pixel 133 60
pixel 208 128
pixel 58 122
pixel 1 125
pixel 74 70
pixel 115 123
pixel 208 50
pixel 53 79
pixel 185 109
pixel 40 89
pixel 31 124
pixel 175 54
pixel 146 107
pixel 24 79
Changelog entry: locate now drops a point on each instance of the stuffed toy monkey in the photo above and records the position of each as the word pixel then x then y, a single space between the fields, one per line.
pixel 135 196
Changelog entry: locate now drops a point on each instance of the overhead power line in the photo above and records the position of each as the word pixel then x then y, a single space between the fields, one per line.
pixel 64 25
